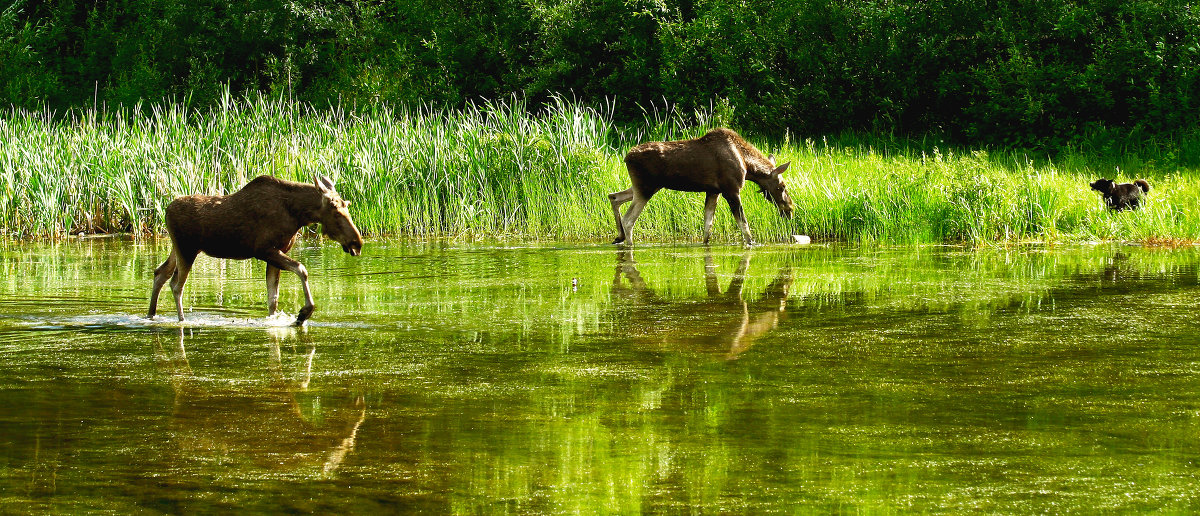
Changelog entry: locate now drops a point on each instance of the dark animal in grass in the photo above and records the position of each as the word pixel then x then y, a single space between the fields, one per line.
pixel 718 163
pixel 259 221
pixel 1123 195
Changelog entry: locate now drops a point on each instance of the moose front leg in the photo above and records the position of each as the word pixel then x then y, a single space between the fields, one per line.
pixel 285 262
pixel 710 209
pixel 735 206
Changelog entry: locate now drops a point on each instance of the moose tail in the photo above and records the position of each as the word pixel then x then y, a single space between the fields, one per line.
pixel 1143 185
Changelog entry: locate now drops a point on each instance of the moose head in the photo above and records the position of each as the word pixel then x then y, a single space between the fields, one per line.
pixel 335 218
pixel 773 188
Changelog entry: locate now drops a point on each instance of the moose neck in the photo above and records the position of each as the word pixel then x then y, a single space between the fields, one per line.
pixel 758 167
pixel 303 203
pixel 758 171
pixel 757 179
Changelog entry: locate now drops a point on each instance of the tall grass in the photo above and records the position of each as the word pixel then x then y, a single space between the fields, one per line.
pixel 500 169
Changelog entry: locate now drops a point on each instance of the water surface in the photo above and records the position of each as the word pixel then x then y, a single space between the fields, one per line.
pixel 565 378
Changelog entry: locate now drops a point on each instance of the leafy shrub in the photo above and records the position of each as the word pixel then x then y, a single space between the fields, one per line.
pixel 1013 74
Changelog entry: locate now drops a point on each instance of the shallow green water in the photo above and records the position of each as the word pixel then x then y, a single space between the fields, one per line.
pixel 551 379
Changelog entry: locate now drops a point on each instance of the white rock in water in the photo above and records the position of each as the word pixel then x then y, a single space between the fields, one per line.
pixel 802 239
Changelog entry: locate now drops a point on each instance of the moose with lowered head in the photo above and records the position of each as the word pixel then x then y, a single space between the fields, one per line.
pixel 717 164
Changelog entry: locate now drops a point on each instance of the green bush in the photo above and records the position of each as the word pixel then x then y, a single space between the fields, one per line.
pixel 1013 74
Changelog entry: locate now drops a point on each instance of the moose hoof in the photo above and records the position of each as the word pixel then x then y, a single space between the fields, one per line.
pixel 304 314
pixel 618 240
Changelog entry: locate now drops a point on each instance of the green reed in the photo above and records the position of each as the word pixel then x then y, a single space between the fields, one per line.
pixel 501 169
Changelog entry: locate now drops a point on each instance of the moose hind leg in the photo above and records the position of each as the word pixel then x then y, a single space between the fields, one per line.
pixel 182 268
pixel 617 199
pixel 632 214
pixel 272 289
pixel 161 275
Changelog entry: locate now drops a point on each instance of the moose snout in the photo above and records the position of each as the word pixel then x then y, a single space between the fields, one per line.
pixel 354 248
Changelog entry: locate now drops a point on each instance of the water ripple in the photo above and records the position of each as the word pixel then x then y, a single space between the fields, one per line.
pixel 107 321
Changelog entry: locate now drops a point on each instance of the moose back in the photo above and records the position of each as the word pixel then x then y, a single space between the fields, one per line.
pixel 259 221
pixel 718 163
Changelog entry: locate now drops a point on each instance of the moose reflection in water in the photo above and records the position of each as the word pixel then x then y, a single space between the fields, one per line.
pixel 264 425
pixel 718 163
pixel 262 221
pixel 722 322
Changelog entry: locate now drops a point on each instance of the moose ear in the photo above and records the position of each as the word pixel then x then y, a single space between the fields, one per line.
pixel 771 158
pixel 324 184
pixel 781 169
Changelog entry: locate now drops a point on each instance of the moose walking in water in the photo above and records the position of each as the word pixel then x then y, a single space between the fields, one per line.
pixel 259 221
pixel 718 163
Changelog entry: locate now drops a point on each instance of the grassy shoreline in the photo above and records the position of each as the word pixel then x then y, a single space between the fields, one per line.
pixel 495 170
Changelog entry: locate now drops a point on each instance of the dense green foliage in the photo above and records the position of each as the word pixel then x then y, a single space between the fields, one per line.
pixel 995 72
pixel 497 169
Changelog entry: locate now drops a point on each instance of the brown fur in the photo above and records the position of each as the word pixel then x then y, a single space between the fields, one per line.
pixel 718 163
pixel 259 221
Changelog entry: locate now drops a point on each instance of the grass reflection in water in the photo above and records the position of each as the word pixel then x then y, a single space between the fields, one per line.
pixel 554 379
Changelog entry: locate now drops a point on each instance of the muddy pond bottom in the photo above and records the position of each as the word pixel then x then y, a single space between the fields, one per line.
pixel 453 378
